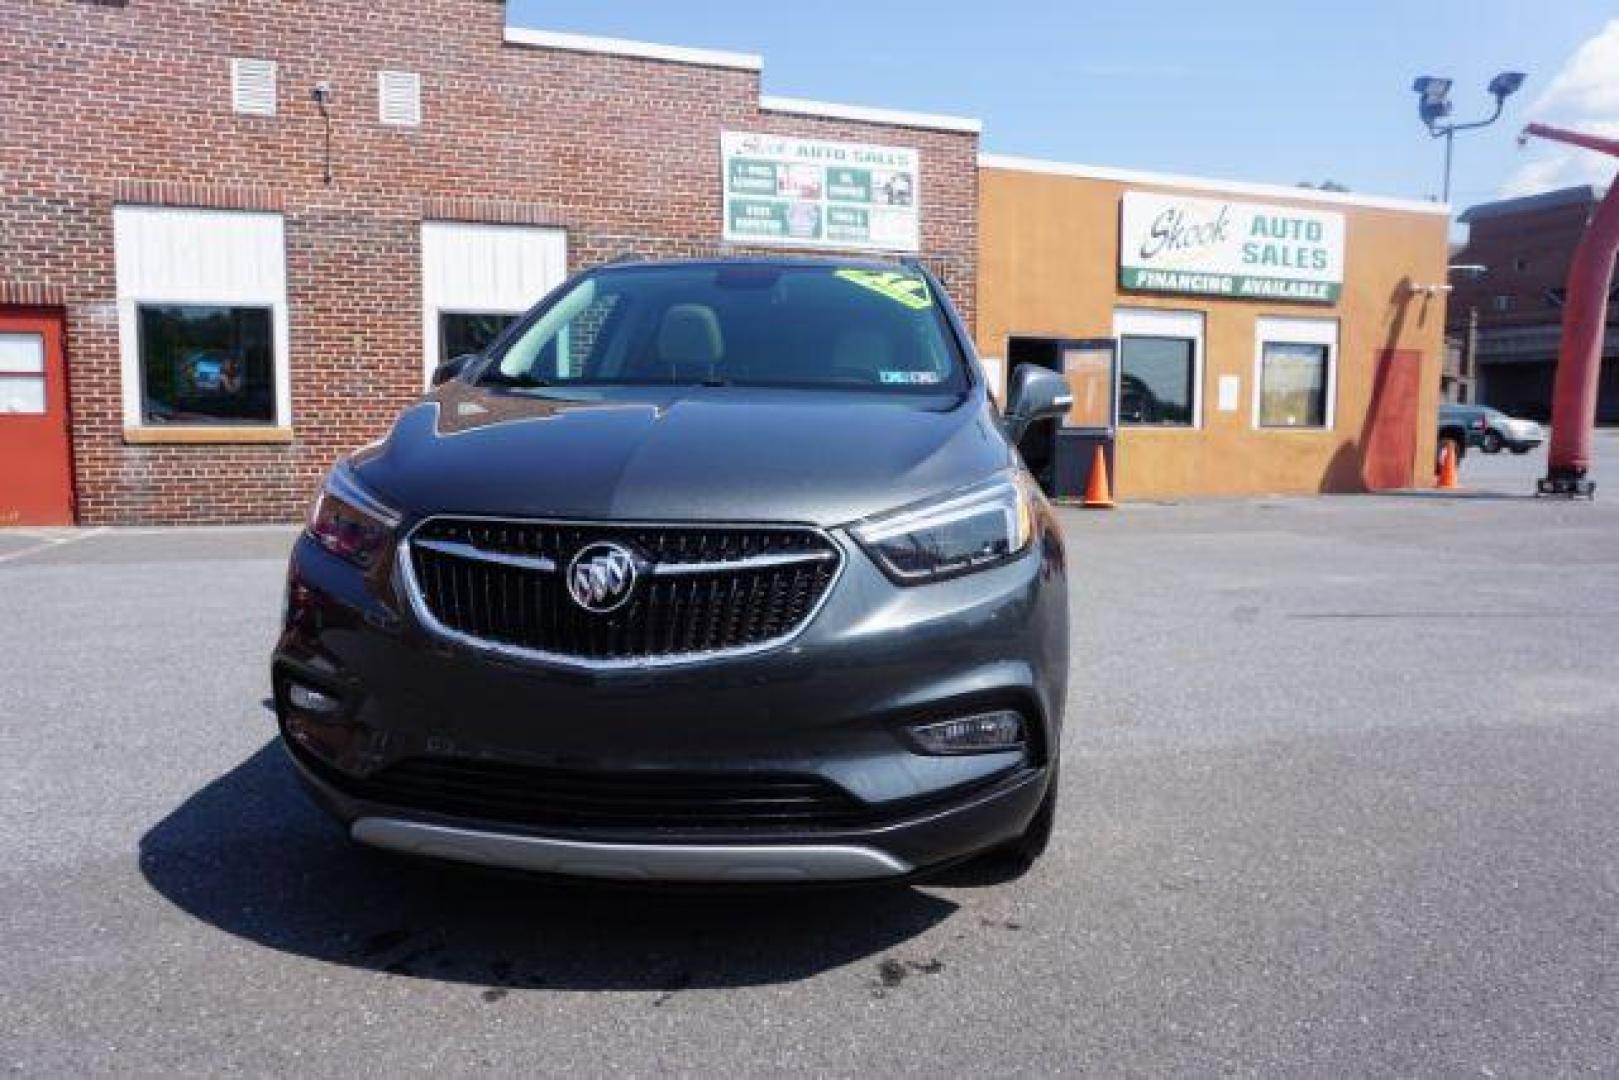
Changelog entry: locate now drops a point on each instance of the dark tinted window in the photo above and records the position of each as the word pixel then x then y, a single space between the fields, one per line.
pixel 461 332
pixel 821 327
pixel 206 364
pixel 1155 380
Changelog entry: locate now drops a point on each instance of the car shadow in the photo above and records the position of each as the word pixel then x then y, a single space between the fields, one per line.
pixel 251 855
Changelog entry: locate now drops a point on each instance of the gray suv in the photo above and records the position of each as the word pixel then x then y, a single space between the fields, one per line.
pixel 713 571
pixel 1491 430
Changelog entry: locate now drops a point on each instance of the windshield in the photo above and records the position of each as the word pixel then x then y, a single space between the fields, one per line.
pixel 817 327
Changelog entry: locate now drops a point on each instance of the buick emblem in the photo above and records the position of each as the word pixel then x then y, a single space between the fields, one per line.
pixel 601 577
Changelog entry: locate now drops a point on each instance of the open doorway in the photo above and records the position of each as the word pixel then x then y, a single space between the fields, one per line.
pixel 1062 453
pixel 1039 443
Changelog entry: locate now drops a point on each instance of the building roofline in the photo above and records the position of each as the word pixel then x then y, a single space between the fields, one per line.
pixel 870 114
pixel 1579 194
pixel 641 50
pixel 1012 163
pixel 736 61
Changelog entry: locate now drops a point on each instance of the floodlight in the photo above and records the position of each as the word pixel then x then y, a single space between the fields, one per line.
pixel 1506 84
pixel 1434 103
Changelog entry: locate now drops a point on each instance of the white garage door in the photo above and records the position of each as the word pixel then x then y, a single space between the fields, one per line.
pixel 476 278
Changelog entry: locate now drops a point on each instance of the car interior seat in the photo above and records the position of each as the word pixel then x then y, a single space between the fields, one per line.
pixel 690 346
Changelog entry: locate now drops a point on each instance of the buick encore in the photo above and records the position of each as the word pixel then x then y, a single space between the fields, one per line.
pixel 706 571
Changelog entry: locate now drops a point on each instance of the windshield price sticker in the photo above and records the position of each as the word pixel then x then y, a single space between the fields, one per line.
pixel 904 289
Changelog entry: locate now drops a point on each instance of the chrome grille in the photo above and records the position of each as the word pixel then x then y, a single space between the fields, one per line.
pixel 701 591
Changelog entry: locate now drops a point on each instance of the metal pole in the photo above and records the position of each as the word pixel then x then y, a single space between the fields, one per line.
pixel 1470 360
pixel 1450 143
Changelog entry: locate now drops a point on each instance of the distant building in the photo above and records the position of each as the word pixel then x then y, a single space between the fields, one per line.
pixel 1526 244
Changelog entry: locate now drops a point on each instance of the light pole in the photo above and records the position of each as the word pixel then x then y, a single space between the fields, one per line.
pixel 1433 105
pixel 1466 388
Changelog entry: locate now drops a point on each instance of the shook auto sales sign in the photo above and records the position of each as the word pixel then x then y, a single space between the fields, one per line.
pixel 1214 247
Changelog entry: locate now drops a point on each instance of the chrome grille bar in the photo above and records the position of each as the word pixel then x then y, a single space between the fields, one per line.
pixel 505 558
pixel 751 562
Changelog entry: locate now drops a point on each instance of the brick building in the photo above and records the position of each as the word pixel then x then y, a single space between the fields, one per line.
pixel 1525 246
pixel 236 282
pixel 236 237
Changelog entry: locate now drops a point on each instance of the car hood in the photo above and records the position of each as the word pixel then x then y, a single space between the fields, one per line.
pixel 680 453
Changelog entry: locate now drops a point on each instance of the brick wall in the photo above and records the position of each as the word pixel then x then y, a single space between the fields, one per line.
pixel 1528 255
pixel 104 102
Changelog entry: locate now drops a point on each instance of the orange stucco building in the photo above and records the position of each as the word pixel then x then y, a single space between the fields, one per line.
pixel 1268 339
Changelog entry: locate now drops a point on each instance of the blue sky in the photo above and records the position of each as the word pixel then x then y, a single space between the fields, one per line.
pixel 1270 90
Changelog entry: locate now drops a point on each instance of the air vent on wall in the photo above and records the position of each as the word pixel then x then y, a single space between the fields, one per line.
pixel 399 96
pixel 252 86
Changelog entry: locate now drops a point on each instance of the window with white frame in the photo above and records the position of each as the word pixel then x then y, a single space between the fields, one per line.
pixel 1295 373
pixel 477 278
pixel 202 317
pixel 1160 367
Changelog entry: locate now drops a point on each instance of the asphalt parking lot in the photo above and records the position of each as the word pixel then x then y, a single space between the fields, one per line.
pixel 1339 798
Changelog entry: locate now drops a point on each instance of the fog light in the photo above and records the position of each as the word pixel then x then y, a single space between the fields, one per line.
pixel 308 699
pixel 1000 730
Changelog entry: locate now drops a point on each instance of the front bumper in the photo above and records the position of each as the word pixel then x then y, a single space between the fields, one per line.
pixel 833 705
pixel 1525 440
pixel 937 836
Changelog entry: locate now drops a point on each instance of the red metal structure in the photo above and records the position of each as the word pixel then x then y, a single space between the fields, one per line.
pixel 1579 361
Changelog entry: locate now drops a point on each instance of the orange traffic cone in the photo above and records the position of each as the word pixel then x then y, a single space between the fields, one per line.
pixel 1447 466
pixel 1098 495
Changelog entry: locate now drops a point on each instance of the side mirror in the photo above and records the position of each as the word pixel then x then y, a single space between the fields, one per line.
pixel 453 367
pixel 1035 393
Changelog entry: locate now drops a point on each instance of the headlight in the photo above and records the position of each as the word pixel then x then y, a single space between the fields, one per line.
pixel 969 530
pixel 349 522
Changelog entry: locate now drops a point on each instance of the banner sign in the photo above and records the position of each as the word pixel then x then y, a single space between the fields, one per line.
pixel 808 193
pixel 1174 244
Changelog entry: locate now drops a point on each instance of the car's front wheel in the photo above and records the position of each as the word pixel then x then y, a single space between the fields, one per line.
pixel 1522 449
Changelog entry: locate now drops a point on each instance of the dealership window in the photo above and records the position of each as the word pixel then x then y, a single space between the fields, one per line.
pixel 1295 377
pixel 477 278
pixel 202 319
pixel 462 332
pixel 1160 367
pixel 206 364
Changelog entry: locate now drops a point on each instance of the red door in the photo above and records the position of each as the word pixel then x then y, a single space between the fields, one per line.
pixel 36 470
pixel 1390 438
